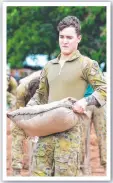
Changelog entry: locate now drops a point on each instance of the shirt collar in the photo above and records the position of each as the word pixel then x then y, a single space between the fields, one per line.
pixel 75 55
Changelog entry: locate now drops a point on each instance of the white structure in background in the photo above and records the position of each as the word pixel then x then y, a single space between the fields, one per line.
pixel 35 61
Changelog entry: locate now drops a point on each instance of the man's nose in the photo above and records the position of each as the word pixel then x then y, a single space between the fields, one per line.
pixel 65 40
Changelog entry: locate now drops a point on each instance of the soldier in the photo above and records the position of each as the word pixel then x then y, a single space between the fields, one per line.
pixel 98 119
pixel 23 94
pixel 67 76
pixel 11 90
pixel 88 73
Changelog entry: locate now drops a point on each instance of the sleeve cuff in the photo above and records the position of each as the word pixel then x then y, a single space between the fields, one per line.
pixel 101 99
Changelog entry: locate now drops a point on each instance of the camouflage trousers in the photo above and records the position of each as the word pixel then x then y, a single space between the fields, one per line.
pixel 18 136
pixel 63 154
pixel 17 153
pixel 59 154
pixel 99 121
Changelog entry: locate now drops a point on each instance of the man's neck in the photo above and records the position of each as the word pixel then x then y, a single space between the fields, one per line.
pixel 64 58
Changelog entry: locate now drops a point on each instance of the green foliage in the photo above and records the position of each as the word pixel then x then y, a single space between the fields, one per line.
pixel 33 30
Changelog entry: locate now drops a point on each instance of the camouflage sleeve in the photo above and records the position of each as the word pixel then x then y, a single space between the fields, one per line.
pixel 13 85
pixel 41 95
pixel 11 99
pixel 20 96
pixel 91 100
pixel 93 75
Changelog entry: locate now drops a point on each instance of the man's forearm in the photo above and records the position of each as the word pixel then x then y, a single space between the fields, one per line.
pixel 91 100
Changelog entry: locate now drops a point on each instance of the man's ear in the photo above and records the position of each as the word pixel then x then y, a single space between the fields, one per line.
pixel 79 38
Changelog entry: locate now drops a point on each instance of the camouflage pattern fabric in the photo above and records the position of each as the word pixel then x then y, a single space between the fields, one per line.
pixel 21 95
pixel 87 72
pixel 11 100
pixel 18 136
pixel 63 154
pixel 11 91
pixel 99 120
pixel 59 154
pixel 11 84
pixel 84 71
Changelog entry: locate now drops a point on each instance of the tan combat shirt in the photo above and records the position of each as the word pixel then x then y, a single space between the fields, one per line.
pixel 71 80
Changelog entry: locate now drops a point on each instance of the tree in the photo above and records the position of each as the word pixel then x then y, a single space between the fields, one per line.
pixel 32 30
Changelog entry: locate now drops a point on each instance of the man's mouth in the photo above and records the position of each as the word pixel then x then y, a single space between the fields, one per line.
pixel 65 46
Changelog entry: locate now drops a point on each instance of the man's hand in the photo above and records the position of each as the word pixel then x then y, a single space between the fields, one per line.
pixel 80 106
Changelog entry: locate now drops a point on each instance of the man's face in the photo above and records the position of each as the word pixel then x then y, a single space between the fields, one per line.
pixel 68 40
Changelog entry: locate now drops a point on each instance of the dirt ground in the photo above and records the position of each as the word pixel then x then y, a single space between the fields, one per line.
pixel 97 169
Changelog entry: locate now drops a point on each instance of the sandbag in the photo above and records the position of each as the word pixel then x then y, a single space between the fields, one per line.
pixel 30 77
pixel 42 120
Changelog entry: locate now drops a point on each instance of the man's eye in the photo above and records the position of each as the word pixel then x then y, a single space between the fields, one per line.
pixel 61 37
pixel 69 37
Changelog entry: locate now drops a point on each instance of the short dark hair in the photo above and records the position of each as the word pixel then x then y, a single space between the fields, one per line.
pixel 69 21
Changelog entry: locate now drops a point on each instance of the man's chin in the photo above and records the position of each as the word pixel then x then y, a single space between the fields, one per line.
pixel 65 52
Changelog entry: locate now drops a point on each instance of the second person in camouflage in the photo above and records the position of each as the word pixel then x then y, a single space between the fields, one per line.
pixel 24 93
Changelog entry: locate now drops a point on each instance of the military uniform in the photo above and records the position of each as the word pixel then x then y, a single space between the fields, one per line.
pixel 18 135
pixel 11 91
pixel 99 121
pixel 11 84
pixel 56 84
pixel 98 118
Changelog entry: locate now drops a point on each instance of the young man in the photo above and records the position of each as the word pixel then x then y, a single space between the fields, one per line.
pixel 66 76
